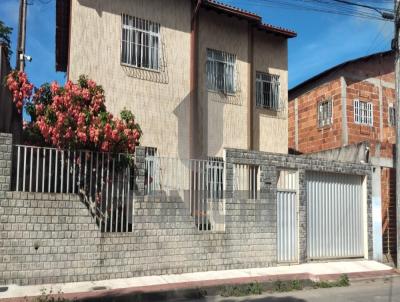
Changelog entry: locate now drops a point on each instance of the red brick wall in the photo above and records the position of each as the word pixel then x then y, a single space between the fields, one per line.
pixel 388 187
pixel 311 137
pixel 291 125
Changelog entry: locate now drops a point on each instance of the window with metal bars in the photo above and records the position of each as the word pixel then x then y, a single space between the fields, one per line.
pixel 392 115
pixel 267 91
pixel 221 69
pixel 140 43
pixel 363 113
pixel 325 113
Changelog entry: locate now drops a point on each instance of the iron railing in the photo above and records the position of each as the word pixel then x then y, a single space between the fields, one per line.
pixel 106 181
pixel 199 183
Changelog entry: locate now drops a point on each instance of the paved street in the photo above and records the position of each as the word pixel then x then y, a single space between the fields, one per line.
pixel 377 291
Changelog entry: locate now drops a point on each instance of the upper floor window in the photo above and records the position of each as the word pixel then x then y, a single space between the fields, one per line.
pixel 221 68
pixel 267 91
pixel 363 113
pixel 140 43
pixel 392 115
pixel 325 113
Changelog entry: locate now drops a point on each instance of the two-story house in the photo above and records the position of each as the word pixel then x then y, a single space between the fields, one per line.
pixel 199 75
pixel 348 113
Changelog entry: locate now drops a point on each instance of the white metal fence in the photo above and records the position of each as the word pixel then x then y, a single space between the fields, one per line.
pixel 246 181
pixel 199 183
pixel 105 180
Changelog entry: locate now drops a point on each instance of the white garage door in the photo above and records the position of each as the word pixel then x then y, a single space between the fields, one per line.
pixel 335 216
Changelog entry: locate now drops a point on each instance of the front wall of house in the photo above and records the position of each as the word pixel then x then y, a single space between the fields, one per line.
pixel 271 127
pixel 312 138
pixel 159 100
pixel 227 117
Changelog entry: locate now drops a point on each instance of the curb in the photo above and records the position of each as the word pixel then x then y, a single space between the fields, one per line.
pixel 192 290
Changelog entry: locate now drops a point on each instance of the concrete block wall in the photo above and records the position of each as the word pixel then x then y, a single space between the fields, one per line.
pixel 270 163
pixel 51 238
pixel 5 162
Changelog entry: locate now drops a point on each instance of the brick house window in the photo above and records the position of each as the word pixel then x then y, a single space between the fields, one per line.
pixel 325 113
pixel 363 113
pixel 221 69
pixel 140 43
pixel 392 115
pixel 267 91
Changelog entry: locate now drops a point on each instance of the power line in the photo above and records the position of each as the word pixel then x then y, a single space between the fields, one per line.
pixel 323 6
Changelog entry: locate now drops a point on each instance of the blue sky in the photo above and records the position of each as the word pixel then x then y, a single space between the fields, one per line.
pixel 323 41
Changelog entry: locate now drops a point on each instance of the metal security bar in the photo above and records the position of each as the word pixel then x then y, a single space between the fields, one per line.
pixel 363 113
pixel 140 43
pixel 199 183
pixel 267 91
pixel 247 181
pixel 221 71
pixel 105 181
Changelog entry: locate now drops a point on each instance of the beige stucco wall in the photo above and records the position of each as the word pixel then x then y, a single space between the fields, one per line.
pixel 160 101
pixel 271 128
pixel 224 117
pixel 227 117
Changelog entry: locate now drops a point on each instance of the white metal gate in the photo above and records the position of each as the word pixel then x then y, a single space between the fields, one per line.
pixel 287 221
pixel 335 216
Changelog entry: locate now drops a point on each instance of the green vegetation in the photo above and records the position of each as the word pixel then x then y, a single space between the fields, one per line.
pixel 280 286
pixel 5 36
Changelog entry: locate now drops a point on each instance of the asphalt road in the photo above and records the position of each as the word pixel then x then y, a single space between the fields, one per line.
pixel 379 290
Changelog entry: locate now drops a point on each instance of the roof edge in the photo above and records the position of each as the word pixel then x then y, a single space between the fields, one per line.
pixel 334 68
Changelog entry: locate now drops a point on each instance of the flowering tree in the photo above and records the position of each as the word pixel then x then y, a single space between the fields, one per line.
pixel 73 116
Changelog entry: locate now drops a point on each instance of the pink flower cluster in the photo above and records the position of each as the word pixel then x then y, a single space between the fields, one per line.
pixel 20 88
pixel 75 116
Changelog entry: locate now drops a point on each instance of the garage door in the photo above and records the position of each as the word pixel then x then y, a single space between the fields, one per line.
pixel 335 216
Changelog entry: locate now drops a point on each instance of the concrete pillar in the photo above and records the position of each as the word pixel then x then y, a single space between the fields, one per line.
pixel 140 167
pixel 377 213
pixel 5 162
pixel 345 134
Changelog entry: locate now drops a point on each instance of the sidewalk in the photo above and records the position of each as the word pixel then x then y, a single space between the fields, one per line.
pixel 152 284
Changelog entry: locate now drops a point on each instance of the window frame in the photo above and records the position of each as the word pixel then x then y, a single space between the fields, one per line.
pixel 325 123
pixel 275 87
pixel 133 31
pixel 363 113
pixel 212 63
pixel 390 122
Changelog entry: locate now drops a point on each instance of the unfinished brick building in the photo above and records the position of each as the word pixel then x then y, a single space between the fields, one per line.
pixel 346 111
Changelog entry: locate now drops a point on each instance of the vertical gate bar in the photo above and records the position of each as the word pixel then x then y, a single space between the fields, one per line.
pixel 68 169
pixel 43 168
pixel 62 172
pixel 31 170
pixel 55 171
pixel 37 168
pixel 127 198
pixel 50 171
pixel 117 205
pixel 190 187
pixel 18 163
pixel 101 188
pixel 73 172
pixel 85 172
pixel 123 198
pixel 107 186
pixel 91 175
pixel 112 194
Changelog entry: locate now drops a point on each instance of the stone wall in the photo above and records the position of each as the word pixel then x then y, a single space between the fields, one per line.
pixel 48 238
